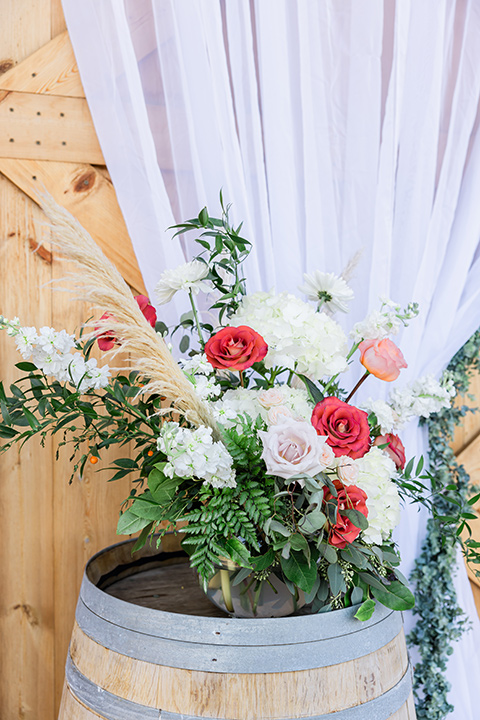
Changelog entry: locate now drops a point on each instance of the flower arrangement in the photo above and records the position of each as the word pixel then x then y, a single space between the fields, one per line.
pixel 250 441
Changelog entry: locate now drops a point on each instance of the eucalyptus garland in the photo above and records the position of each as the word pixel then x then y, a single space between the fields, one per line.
pixel 440 619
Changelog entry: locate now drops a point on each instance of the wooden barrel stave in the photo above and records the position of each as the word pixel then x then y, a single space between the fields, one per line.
pixel 120 672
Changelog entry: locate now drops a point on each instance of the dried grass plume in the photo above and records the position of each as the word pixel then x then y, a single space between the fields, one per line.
pixel 99 282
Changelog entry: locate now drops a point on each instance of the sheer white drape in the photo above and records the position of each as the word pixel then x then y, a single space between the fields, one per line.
pixel 332 127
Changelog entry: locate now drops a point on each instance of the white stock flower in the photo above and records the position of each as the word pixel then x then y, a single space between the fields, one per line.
pixel 376 471
pixel 298 337
pixel 197 365
pixel 378 325
pixel 292 448
pixel 25 341
pixel 329 289
pixel 194 454
pixel 384 412
pixel 189 276
pixel 205 387
pixel 421 398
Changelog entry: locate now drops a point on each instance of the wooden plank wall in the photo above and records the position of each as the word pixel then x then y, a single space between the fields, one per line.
pixel 49 528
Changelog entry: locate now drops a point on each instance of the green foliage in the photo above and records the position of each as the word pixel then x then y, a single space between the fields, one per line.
pixel 440 620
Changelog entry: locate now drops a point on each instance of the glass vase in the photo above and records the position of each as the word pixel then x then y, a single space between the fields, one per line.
pixel 246 594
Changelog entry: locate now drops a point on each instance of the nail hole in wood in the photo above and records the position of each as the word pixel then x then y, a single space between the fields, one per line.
pixel 37 142
pixel 11 109
pixel 39 113
pixel 34 74
pixel 34 177
pixel 63 142
pixel 62 114
pixel 11 140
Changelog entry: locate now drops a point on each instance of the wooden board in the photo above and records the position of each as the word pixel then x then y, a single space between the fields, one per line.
pixel 47 127
pixel 90 197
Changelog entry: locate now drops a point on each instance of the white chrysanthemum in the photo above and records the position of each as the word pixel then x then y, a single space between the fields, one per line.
pixel 243 401
pixel 298 338
pixel 385 414
pixel 328 289
pixel 421 398
pixel 194 454
pixel 190 277
pixel 376 471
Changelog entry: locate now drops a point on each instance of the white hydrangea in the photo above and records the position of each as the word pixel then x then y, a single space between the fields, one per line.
pixel 298 337
pixel 376 471
pixel 269 404
pixel 330 290
pixel 385 415
pixel 50 351
pixel 421 398
pixel 194 454
pixel 189 276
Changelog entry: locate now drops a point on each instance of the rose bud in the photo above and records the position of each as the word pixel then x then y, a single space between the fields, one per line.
pixel 394 449
pixel 235 348
pixel 106 339
pixel 346 427
pixel 382 358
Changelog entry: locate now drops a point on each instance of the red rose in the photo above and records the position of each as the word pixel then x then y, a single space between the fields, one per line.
pixel 395 448
pixel 346 427
pixel 348 497
pixel 235 348
pixel 382 358
pixel 106 340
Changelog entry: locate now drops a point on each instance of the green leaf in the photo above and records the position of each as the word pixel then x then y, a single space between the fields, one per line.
pixel 409 467
pixel 238 552
pixel 203 217
pixel 32 420
pixel 336 579
pixel 395 596
pixel 142 538
pixel 129 523
pixel 125 463
pixel 297 569
pixel 184 343
pixel 298 542
pixel 145 507
pixel 163 488
pixel 328 552
pixel 419 467
pixel 262 562
pixel 313 521
pixel 314 391
pixel 5 414
pixel 356 517
pixel 365 611
pixel 26 366
pixel 357 595
pixel 279 528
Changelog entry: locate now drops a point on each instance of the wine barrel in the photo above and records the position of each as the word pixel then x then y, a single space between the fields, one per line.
pixel 147 644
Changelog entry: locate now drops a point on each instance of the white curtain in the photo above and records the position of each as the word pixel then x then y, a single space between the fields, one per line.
pixel 332 126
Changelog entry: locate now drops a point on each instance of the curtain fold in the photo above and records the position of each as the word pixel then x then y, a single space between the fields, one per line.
pixel 333 128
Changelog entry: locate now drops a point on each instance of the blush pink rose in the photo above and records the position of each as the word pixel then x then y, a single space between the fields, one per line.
pixel 352 497
pixel 346 427
pixel 382 358
pixel 292 448
pixel 235 348
pixel 394 449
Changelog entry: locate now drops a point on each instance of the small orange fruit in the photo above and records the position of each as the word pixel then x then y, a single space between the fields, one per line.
pixel 94 460
pixel 150 453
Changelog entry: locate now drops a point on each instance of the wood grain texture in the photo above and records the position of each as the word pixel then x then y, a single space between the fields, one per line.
pixel 52 69
pixel 90 197
pixel 242 696
pixel 47 127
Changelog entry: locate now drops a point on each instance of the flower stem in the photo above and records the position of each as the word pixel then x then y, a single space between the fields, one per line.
pixel 362 379
pixel 197 321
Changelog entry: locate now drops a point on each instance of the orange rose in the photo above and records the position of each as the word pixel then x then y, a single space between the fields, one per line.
pixel 382 358
pixel 235 348
pixel 346 427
